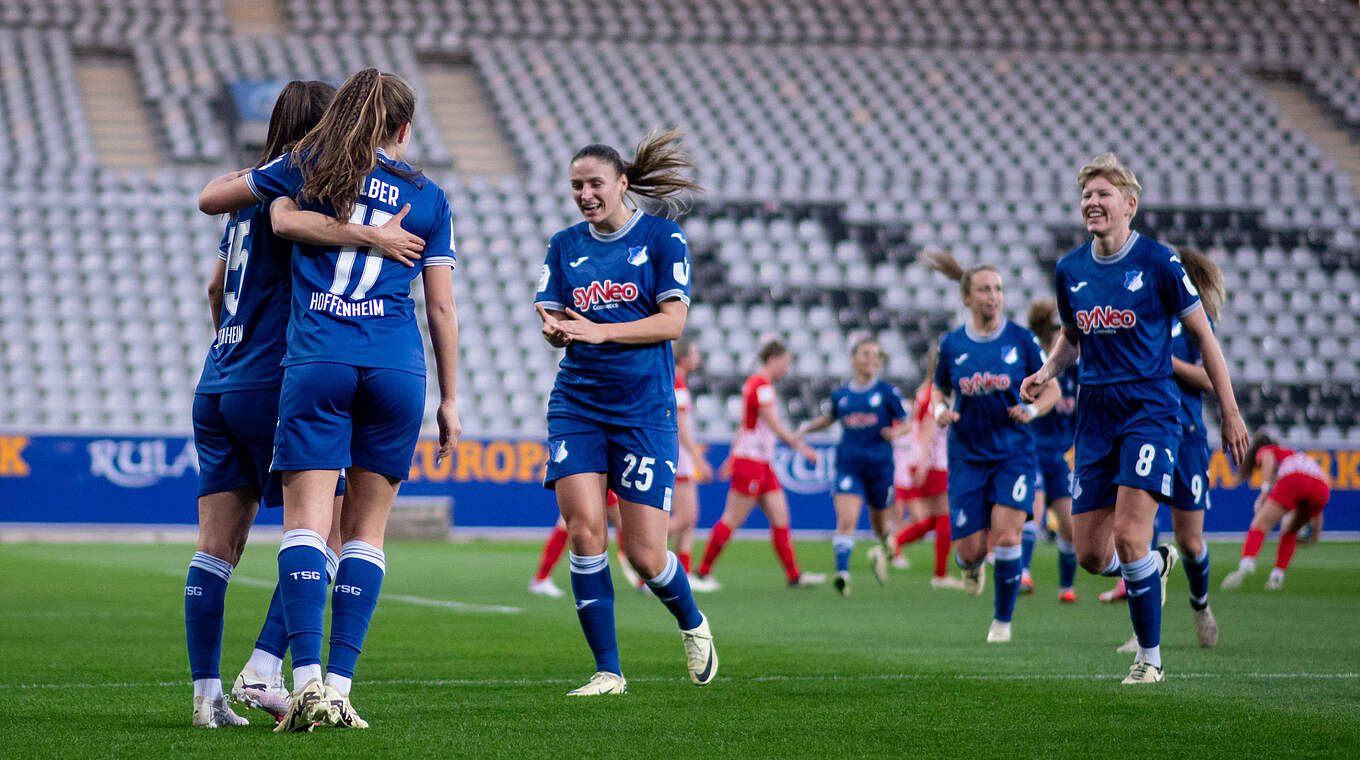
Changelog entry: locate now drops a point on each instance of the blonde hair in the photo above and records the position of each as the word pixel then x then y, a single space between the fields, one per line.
pixel 1107 165
pixel 1206 276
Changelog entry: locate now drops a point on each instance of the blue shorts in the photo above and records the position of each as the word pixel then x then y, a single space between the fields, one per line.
pixel 1127 435
pixel 974 487
pixel 870 481
pixel 234 438
pixel 639 463
pixel 332 416
pixel 1190 491
pixel 1055 475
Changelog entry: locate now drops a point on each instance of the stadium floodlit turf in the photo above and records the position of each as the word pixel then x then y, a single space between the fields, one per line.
pixel 93 664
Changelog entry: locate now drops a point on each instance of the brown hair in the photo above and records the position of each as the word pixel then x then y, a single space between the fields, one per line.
pixel 1247 467
pixel 861 341
pixel 1107 165
pixel 657 169
pixel 680 347
pixel 1206 276
pixel 771 349
pixel 943 261
pixel 296 111
pixel 369 109
pixel 1043 320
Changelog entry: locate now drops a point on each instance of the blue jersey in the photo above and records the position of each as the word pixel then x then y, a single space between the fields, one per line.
pixel 1192 399
pixel 1057 430
pixel 863 413
pixel 1123 305
pixel 620 277
pixel 253 321
pixel 351 306
pixel 984 373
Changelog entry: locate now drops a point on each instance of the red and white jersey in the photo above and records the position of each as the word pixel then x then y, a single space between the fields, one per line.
pixel 684 464
pixel 755 439
pixel 936 453
pixel 906 452
pixel 1290 462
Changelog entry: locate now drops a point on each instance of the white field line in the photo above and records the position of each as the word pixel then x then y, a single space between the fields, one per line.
pixel 421 601
pixel 867 677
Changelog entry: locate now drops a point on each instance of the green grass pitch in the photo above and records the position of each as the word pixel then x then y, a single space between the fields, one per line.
pixel 93 664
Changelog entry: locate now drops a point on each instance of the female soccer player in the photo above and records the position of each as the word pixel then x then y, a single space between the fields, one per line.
pixel 691 469
pixel 1053 436
pixel 354 372
pixel 1293 488
pixel 615 292
pixel 867 408
pixel 991 450
pixel 1117 296
pixel 753 481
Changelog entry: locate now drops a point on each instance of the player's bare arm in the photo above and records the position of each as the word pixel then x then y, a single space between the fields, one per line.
pixel 1048 398
pixel 389 239
pixel 442 315
pixel 1065 351
pixel 667 324
pixel 552 326
pixel 943 412
pixel 217 285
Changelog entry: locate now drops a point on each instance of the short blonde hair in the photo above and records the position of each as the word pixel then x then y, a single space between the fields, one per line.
pixel 1107 165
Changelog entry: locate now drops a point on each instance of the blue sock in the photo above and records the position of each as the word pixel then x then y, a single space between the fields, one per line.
pixel 1006 572
pixel 1143 580
pixel 1028 537
pixel 1197 572
pixel 843 546
pixel 357 584
pixel 205 593
pixel 273 636
pixel 594 592
pixel 302 587
pixel 1067 564
pixel 672 588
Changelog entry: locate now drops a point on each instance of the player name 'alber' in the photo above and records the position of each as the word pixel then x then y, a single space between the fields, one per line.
pixel 342 307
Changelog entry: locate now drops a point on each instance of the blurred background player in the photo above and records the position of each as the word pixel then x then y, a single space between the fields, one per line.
pixel 991 450
pixel 867 407
pixel 614 292
pixel 354 385
pixel 542 582
pixel 1118 296
pixel 1053 436
pixel 753 481
pixel 1294 489
pixel 691 468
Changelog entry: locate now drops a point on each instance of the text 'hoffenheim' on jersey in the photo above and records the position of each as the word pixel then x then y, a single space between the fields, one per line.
pixel 984 373
pixel 252 324
pixel 350 306
pixel 1192 399
pixel 1057 430
pixel 620 277
pixel 1123 305
pixel 863 413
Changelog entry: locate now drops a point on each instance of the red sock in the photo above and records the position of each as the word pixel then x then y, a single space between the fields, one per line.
pixel 784 548
pixel 552 551
pixel 717 538
pixel 1288 542
pixel 914 532
pixel 684 558
pixel 1252 546
pixel 941 544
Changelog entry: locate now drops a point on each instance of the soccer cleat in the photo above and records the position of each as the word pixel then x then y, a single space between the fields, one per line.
pixel 900 562
pixel 1067 596
pixel 1128 647
pixel 974 581
pixel 216 713
pixel 1274 582
pixel 808 579
pixel 546 587
pixel 308 708
pixel 1026 583
pixel 1116 594
pixel 1170 555
pixel 878 562
pixel 701 657
pixel 842 583
pixel 1234 579
pixel 703 584
pixel 1141 672
pixel 341 713
pixel 947 581
pixel 603 682
pixel 254 690
pixel 1206 628
pixel 999 633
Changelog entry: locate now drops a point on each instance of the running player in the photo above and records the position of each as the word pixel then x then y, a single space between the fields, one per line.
pixel 1117 296
pixel 991 449
pixel 1294 488
pixel 1053 436
pixel 691 469
pixel 542 582
pixel 753 482
pixel 354 372
pixel 867 408
pixel 615 292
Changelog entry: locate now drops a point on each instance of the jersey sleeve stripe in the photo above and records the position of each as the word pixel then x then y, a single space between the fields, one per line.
pixel 555 306
pixel 250 180
pixel 674 293
pixel 438 261
pixel 1189 309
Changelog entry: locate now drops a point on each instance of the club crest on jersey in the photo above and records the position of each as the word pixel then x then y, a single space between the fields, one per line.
pixel 1105 318
pixel 876 399
pixel 983 382
pixel 1010 355
pixel 637 256
pixel 1134 281
pixel 604 294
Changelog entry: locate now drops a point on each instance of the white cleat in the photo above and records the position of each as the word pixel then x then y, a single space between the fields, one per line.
pixel 878 562
pixel 949 581
pixel 546 587
pixel 973 580
pixel 1234 579
pixel 1141 672
pixel 701 657
pixel 841 583
pixel 603 682
pixel 808 579
pixel 1275 582
pixel 1128 647
pixel 999 633
pixel 704 585
pixel 1170 555
pixel 216 713
pixel 254 690
pixel 341 713
pixel 1206 628
pixel 308 708
pixel 900 562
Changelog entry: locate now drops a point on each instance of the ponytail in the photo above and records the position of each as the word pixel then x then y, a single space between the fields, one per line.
pixel 657 170
pixel 1247 467
pixel 1043 320
pixel 943 261
pixel 1206 276
pixel 296 111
